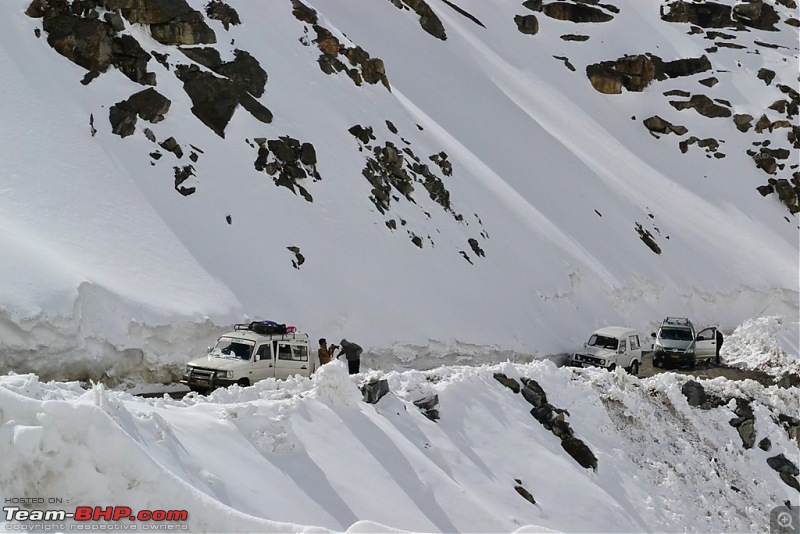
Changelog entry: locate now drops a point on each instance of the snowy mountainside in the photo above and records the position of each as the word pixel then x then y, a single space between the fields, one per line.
pixel 393 172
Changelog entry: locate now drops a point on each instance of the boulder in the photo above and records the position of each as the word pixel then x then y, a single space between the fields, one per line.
pixel 510 383
pixel 694 392
pixel 375 389
pixel 218 10
pixel 703 105
pixel 527 24
pixel 575 12
pixel 172 22
pixel 580 452
pixel 781 464
pixel 657 125
pixel 427 406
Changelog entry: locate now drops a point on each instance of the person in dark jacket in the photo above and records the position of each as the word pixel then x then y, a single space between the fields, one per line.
pixel 352 352
pixel 324 352
pixel 719 344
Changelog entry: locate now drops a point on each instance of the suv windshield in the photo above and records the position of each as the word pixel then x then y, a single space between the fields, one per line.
pixel 603 341
pixel 228 347
pixel 679 334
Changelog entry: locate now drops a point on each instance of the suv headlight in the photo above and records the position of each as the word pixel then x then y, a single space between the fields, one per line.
pixel 690 350
pixel 658 348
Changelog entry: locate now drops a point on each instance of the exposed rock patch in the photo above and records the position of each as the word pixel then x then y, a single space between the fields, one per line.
pixel 363 68
pixel 218 10
pixel 374 390
pixel 297 260
pixel 289 162
pixel 656 125
pixel 704 106
pixel 172 22
pixel 753 14
pixel 244 70
pixel 427 18
pixel 527 24
pixel 148 105
pixel 465 13
pixel 635 73
pixel 429 407
pixel 647 238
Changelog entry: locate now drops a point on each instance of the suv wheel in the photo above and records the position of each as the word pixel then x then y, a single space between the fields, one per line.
pixel 635 368
pixel 693 362
pixel 243 382
pixel 612 366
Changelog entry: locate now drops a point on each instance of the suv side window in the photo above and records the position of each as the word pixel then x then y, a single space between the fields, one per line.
pixel 301 353
pixel 284 351
pixel 264 352
pixel 634 342
pixel 622 348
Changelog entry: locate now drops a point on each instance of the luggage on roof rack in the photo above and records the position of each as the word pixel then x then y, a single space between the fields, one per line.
pixel 264 327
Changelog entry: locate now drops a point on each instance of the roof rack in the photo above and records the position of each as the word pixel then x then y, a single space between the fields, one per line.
pixel 677 321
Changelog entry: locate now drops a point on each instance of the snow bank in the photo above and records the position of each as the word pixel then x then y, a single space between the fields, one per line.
pixel 306 455
pixel 766 343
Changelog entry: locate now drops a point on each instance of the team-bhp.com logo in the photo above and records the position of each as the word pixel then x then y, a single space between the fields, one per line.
pixel 90 517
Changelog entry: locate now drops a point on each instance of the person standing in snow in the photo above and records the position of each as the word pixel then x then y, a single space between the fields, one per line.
pixel 352 352
pixel 719 343
pixel 324 352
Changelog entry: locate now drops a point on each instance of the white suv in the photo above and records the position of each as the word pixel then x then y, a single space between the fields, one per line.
pixel 244 357
pixel 677 343
pixel 611 347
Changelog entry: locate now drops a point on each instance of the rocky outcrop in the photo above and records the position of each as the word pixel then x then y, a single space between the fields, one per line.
pixel 172 22
pixel 527 24
pixel 788 191
pixel 429 407
pixel 635 73
pixel 148 105
pixel 744 423
pixel 297 260
pixel 288 160
pixel 752 13
pixel 510 383
pixel 647 238
pixel 427 18
pixel 786 469
pixel 362 68
pixel 90 42
pixel 656 125
pixel 244 70
pixel 214 99
pixel 704 106
pixel 694 392
pixel 374 390
pixel 218 10
pixel 578 12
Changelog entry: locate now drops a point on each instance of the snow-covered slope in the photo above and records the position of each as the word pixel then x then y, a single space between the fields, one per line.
pixel 107 239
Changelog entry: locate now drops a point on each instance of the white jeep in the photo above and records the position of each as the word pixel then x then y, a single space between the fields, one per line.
pixel 611 347
pixel 244 357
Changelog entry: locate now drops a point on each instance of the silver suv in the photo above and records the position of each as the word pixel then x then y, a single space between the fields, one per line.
pixel 674 343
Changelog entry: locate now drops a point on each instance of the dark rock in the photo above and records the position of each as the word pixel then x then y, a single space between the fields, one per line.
pixel 781 464
pixel 657 125
pixel 303 13
pixel 574 37
pixel 473 244
pixel 765 444
pixel 533 392
pixel 172 22
pixel 465 13
pixel 510 383
pixel 525 494
pixel 218 10
pixel 705 15
pixel 575 12
pixel 527 24
pixel 149 105
pixel 703 105
pixel 116 21
pixel 427 18
pixel 181 175
pixel 694 392
pixel 533 5
pixel 123 122
pixel 790 481
pixel 375 389
pixel 747 432
pixel 766 75
pixel 214 99
pixel 580 452
pixel 544 413
pixel 171 145
pixel 709 82
pixel 131 59
pixel 743 122
pixel 647 238
pixel 85 42
pixel 427 406
pixel 756 14
pixel 364 135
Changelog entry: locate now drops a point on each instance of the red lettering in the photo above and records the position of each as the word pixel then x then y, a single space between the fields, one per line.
pixel 100 513
pixel 121 512
pixel 83 513
pixel 159 515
